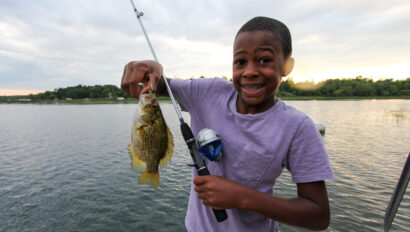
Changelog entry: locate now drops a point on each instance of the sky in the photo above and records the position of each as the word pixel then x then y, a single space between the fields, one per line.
pixel 48 44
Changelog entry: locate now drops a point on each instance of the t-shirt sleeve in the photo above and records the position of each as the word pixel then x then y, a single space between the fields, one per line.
pixel 307 158
pixel 191 92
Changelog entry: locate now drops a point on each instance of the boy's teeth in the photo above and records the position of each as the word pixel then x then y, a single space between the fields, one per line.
pixel 252 88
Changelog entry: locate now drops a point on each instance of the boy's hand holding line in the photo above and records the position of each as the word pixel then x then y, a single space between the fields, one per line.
pixel 147 72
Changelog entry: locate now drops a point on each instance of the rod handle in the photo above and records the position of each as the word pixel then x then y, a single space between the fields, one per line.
pixel 199 164
pixel 220 214
pixel 186 132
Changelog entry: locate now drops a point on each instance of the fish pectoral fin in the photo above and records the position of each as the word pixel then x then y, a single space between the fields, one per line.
pixel 149 178
pixel 136 125
pixel 136 162
pixel 168 153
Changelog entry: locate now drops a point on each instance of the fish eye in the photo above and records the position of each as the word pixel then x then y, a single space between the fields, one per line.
pixel 154 106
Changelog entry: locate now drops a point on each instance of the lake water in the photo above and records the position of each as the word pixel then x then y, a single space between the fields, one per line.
pixel 66 168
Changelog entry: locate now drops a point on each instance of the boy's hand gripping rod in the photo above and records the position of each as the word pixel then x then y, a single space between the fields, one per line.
pixel 186 131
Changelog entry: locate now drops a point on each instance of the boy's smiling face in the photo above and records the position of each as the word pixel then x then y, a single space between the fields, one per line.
pixel 257 70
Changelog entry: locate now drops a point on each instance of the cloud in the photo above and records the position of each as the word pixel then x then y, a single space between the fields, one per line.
pixel 48 44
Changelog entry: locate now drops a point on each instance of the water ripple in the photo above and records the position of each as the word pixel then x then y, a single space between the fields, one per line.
pixel 66 168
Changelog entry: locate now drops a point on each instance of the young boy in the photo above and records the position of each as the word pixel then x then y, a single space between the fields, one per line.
pixel 261 135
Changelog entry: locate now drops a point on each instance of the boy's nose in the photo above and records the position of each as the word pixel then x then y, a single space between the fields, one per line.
pixel 250 70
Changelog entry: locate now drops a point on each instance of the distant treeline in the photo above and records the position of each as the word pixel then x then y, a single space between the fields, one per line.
pixel 357 87
pixel 78 92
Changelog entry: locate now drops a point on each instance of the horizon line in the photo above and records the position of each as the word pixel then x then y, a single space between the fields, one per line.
pixel 25 92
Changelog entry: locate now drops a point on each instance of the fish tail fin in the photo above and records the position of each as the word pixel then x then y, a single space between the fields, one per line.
pixel 149 178
pixel 170 149
pixel 136 163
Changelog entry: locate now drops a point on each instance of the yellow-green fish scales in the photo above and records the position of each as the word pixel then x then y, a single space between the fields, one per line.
pixel 151 140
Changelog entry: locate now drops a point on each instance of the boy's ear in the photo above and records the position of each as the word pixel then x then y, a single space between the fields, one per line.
pixel 287 68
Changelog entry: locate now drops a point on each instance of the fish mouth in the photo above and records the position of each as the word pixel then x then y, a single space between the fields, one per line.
pixel 252 89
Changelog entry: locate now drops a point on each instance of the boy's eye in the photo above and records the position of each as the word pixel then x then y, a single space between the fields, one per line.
pixel 240 62
pixel 264 60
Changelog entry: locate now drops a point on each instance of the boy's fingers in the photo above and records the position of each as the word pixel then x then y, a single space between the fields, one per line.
pixel 147 86
pixel 134 74
pixel 206 202
pixel 131 81
pixel 200 188
pixel 201 195
pixel 200 180
pixel 154 81
pixel 140 72
pixel 134 91
pixel 124 84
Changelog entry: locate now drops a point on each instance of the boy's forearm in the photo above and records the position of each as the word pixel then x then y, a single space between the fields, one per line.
pixel 297 211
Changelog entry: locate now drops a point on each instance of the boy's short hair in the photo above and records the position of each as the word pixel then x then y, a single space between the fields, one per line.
pixel 272 25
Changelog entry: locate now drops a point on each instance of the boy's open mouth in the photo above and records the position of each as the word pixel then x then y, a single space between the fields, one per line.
pixel 252 89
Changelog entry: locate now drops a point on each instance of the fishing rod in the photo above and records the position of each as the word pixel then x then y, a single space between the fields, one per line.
pixel 397 195
pixel 189 138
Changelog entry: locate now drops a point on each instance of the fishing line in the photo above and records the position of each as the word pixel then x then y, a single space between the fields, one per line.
pixel 189 138
pixel 177 110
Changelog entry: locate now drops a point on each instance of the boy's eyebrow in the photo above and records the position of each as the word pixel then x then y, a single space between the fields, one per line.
pixel 239 52
pixel 269 49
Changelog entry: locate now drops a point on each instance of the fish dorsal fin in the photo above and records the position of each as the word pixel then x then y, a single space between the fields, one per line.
pixel 170 149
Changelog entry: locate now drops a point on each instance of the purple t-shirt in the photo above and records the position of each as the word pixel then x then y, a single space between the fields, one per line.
pixel 256 147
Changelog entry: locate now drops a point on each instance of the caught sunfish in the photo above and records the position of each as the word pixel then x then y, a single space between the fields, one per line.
pixel 151 140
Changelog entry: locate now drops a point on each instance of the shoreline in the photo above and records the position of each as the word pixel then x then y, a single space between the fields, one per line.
pixel 167 99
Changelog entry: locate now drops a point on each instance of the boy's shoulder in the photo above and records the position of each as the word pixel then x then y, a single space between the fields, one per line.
pixel 289 115
pixel 290 111
pixel 201 90
pixel 215 86
pixel 214 81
